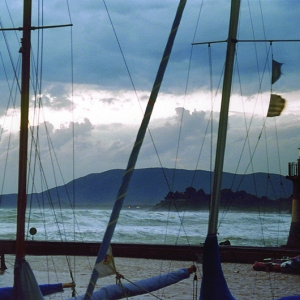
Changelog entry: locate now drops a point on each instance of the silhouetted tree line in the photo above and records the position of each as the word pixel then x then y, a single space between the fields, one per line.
pixel 239 200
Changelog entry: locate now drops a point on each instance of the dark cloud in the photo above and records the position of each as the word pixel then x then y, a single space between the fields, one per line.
pixel 142 28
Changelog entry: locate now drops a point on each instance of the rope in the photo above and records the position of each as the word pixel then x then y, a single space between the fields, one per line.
pixel 135 151
pixel 35 161
pixel 195 287
pixel 133 283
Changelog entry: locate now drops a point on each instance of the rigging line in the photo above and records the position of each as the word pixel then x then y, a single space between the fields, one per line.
pixel 276 133
pixel 136 149
pixel 254 44
pixel 133 283
pixel 185 93
pixel 248 127
pixel 38 86
pixel 50 147
pixel 36 82
pixel 7 46
pixel 36 68
pixel 248 41
pixel 210 120
pixel 10 57
pixel 57 221
pixel 228 202
pixel 73 146
pixel 50 198
pixel 263 21
pixel 267 51
pixel 10 100
pixel 181 218
pixel 263 128
pixel 69 11
pixel 247 136
pixel 42 210
pixel 212 115
pixel 72 100
pixel 135 91
pixel 278 154
pixel 10 17
pixel 12 22
pixel 121 51
pixel 166 229
pixel 56 159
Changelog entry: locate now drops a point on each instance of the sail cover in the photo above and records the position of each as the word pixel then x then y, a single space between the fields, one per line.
pixel 116 291
pixel 25 284
pixel 213 285
pixel 46 289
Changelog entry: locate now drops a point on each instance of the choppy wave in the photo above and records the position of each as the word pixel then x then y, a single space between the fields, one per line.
pixel 147 226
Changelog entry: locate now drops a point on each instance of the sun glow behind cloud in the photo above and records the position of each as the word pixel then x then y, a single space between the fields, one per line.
pixel 106 113
pixel 106 107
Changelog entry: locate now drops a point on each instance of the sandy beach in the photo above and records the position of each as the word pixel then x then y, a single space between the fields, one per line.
pixel 243 281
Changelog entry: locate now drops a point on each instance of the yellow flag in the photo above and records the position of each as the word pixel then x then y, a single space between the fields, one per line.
pixel 277 104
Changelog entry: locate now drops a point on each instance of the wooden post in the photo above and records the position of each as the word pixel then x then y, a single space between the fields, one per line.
pixel 2 266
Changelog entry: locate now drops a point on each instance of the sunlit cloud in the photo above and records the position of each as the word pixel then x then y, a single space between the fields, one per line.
pixel 92 109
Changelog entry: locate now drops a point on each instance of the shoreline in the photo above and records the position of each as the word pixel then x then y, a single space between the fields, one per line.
pixel 243 282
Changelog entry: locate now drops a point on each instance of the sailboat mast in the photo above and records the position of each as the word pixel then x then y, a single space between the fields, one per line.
pixel 23 147
pixel 223 122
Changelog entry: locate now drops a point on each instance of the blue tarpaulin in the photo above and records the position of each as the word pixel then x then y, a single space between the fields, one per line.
pixel 213 285
pixel 116 291
pixel 46 289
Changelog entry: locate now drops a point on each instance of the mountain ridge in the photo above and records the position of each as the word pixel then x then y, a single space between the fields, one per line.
pixel 149 186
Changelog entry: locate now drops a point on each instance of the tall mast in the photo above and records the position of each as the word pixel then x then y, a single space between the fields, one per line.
pixel 23 147
pixel 222 131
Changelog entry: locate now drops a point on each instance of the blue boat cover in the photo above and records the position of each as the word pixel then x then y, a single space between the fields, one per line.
pixel 213 285
pixel 46 289
pixel 116 291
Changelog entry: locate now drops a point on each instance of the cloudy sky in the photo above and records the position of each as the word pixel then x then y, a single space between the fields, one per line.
pixel 88 91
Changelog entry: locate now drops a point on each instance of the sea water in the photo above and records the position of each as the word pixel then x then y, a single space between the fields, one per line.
pixel 136 225
pixel 145 225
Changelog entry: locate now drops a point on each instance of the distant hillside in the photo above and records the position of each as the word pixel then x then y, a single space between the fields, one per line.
pixel 149 187
pixel 192 199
